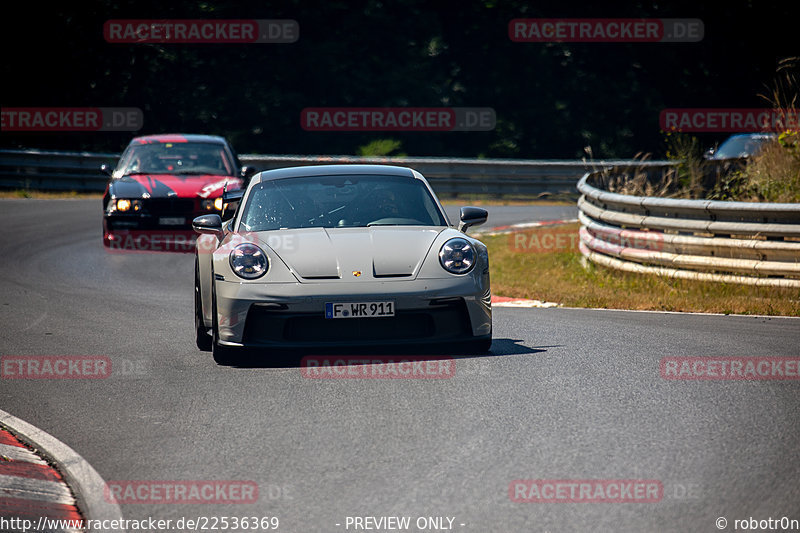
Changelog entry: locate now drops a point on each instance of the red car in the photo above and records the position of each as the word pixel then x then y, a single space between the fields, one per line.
pixel 161 183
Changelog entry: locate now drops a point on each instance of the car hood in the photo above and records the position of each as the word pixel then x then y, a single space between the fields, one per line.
pixel 352 253
pixel 182 186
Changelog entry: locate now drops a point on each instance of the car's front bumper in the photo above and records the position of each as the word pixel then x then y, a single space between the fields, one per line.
pixel 427 311
pixel 145 221
pixel 145 232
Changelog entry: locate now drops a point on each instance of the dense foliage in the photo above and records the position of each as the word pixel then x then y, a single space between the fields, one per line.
pixel 552 100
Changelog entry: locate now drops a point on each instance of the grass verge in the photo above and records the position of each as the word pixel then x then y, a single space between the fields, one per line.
pixel 49 195
pixel 560 276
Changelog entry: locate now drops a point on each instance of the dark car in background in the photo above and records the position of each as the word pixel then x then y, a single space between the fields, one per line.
pixel 161 183
pixel 740 145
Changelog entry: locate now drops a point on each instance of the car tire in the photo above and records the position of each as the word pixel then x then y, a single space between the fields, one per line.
pixel 223 355
pixel 202 337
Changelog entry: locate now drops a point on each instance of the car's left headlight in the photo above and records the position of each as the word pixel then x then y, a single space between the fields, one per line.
pixel 125 204
pixel 248 261
pixel 457 256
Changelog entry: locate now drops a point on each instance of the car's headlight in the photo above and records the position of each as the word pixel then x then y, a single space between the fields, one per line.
pixel 124 205
pixel 457 256
pixel 248 261
pixel 216 203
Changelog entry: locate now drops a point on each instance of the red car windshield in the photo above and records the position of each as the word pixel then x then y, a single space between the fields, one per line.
pixel 176 158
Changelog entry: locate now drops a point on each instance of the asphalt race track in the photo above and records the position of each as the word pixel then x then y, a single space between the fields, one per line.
pixel 565 394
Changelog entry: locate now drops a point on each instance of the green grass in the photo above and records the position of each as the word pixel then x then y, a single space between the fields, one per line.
pixel 564 277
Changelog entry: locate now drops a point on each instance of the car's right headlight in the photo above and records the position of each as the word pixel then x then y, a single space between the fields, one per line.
pixel 215 203
pixel 457 256
pixel 248 261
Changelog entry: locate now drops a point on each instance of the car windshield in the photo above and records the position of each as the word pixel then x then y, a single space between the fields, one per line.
pixel 340 202
pixel 741 146
pixel 189 158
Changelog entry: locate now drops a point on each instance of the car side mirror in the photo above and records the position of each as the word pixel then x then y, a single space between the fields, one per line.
pixel 472 216
pixel 709 153
pixel 106 169
pixel 208 225
pixel 246 171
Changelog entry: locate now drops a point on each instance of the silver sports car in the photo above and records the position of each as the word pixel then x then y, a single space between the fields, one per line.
pixel 335 256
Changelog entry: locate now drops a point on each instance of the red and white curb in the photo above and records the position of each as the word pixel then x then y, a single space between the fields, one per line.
pixel 32 490
pixel 511 228
pixel 503 301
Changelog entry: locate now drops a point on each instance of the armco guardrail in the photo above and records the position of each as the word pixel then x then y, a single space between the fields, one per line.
pixel 47 170
pixel 737 242
pixel 57 171
pixel 454 176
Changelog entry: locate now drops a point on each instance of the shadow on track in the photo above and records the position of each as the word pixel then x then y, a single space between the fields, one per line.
pixel 292 358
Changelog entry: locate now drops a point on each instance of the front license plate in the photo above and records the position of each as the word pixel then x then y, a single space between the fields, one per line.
pixel 171 221
pixel 358 309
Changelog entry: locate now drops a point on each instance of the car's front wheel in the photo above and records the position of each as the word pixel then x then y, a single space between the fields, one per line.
pixel 223 355
pixel 202 338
